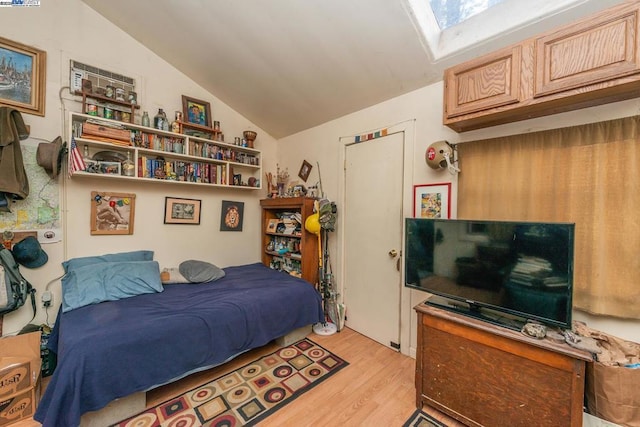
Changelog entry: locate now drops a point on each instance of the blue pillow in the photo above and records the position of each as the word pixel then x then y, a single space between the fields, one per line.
pixel 109 281
pixel 74 263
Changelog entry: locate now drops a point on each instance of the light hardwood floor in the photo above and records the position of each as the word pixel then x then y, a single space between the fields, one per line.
pixel 376 389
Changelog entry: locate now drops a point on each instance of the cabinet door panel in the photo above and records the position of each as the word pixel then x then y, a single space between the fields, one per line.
pixel 486 377
pixel 487 82
pixel 597 50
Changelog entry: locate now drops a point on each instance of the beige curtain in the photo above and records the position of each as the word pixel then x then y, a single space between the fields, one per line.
pixel 588 175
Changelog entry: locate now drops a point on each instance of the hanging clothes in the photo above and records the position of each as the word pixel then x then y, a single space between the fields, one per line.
pixel 14 183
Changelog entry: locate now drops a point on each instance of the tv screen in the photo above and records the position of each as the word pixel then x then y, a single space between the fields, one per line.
pixel 484 268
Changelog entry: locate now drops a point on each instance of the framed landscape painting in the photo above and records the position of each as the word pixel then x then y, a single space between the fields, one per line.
pixel 22 77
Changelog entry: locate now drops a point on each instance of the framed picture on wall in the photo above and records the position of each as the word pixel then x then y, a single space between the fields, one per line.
pixel 305 170
pixel 432 200
pixel 22 80
pixel 112 213
pixel 196 111
pixel 231 216
pixel 181 211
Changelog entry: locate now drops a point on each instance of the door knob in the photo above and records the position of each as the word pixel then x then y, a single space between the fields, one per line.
pixel 393 253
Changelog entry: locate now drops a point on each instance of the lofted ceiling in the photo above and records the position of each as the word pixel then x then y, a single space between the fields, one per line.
pixel 289 65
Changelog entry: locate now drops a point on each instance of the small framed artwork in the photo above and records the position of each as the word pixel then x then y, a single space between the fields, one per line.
pixel 432 200
pixel 231 216
pixel 196 111
pixel 22 81
pixel 181 211
pixel 110 168
pixel 91 166
pixel 112 213
pixel 305 170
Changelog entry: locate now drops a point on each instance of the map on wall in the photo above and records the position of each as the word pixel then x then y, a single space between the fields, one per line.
pixel 40 211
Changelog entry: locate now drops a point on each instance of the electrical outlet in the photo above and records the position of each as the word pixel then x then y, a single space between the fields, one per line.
pixel 46 298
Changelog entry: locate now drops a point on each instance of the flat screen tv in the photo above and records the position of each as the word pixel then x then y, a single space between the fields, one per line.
pixel 505 272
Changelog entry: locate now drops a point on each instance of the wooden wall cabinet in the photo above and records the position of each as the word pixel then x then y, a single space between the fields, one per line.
pixel 590 62
pixel 302 256
pixel 486 375
pixel 484 83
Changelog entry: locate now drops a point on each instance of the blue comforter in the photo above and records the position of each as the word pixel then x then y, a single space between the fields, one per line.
pixel 112 349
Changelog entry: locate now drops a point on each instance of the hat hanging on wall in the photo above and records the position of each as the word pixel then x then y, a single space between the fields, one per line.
pixel 440 155
pixel 29 253
pixel 49 155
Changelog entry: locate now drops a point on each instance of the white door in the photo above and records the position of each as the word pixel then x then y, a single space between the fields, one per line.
pixel 373 237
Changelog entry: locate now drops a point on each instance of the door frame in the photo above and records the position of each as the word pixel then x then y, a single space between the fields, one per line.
pixel 407 128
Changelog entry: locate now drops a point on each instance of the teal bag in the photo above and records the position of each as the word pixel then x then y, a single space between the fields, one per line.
pixel 14 288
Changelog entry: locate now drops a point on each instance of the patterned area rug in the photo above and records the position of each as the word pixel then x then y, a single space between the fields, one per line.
pixel 248 394
pixel 422 419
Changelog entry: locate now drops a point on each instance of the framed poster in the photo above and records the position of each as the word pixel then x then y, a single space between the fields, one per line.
pixel 305 170
pixel 231 216
pixel 181 211
pixel 22 77
pixel 112 213
pixel 432 200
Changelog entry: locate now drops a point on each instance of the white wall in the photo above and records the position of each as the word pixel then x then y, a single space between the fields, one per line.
pixel 68 29
pixel 424 106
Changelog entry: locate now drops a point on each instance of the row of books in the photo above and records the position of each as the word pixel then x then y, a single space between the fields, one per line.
pixel 181 171
pixel 211 151
pixel 152 141
pixel 172 144
pixel 169 144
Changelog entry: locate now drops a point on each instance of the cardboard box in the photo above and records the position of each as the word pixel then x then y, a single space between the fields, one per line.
pixel 15 375
pixel 19 406
pixel 20 366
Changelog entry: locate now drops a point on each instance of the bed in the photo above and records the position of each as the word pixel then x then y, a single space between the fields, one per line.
pixel 115 348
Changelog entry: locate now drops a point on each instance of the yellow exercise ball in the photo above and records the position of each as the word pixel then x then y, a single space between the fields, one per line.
pixel 312 224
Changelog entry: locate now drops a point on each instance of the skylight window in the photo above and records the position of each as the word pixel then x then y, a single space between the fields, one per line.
pixel 452 12
pixel 450 27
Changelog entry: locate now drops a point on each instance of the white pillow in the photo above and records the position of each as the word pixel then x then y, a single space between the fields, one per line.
pixel 172 275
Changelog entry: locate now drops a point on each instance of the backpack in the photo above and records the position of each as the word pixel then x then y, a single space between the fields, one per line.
pixel 14 288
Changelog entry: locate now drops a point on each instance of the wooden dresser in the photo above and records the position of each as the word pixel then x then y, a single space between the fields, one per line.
pixel 486 375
